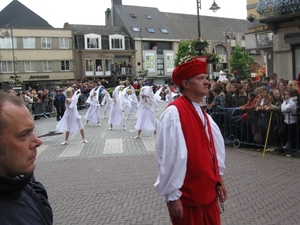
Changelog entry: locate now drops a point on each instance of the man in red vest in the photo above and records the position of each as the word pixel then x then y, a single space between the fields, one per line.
pixel 190 152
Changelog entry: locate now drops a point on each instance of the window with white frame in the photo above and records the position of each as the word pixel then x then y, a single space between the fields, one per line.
pixel 6 42
pixel 92 41
pixel 65 65
pixel 89 65
pixel 46 42
pixel 64 43
pixel 108 65
pixel 7 67
pixel 116 42
pixel 47 66
pixel 28 42
pixel 30 66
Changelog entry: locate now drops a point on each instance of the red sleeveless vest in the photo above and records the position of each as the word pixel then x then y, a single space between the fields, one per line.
pixel 202 175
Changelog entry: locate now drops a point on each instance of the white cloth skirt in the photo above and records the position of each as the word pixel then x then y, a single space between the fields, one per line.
pixel 70 122
pixel 116 116
pixel 146 120
pixel 93 113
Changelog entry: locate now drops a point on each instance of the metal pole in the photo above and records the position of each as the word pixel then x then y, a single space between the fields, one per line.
pixel 198 15
pixel 142 58
pixel 13 51
pixel 226 47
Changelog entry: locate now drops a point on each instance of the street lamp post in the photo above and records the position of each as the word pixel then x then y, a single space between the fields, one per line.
pixel 14 78
pixel 142 72
pixel 214 7
pixel 141 36
pixel 198 16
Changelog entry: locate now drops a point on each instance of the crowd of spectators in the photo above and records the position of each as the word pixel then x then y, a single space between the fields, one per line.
pixel 266 109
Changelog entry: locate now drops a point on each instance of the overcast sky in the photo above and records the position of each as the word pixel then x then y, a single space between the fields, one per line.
pixel 57 12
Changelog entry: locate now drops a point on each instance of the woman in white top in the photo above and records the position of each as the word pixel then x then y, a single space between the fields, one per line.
pixel 134 102
pixel 288 130
pixel 116 116
pixel 145 116
pixel 125 100
pixel 71 120
pixel 93 112
pixel 106 101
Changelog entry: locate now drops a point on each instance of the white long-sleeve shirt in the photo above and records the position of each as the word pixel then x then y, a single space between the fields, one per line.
pixel 286 108
pixel 171 152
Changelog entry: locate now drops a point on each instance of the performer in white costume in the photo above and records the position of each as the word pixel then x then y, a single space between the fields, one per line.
pixel 71 121
pixel 116 116
pixel 125 100
pixel 93 112
pixel 134 102
pixel 106 101
pixel 168 94
pixel 145 116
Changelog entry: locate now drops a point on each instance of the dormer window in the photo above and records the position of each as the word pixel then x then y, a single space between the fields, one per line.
pixel 148 17
pixel 136 29
pixel 92 41
pixel 164 30
pixel 133 15
pixel 150 29
pixel 116 42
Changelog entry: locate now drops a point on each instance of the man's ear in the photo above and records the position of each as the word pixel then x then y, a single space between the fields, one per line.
pixel 184 83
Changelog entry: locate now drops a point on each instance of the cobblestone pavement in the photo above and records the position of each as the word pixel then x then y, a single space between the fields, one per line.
pixel 110 180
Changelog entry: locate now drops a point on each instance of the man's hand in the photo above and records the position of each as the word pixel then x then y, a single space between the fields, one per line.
pixel 222 192
pixel 175 208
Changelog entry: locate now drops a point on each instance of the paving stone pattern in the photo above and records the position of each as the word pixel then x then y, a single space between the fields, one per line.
pixel 88 185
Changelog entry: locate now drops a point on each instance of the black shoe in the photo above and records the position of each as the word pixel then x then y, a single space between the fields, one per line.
pixel 58 119
pixel 280 150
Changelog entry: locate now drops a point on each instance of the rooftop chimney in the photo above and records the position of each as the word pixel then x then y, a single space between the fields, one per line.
pixel 117 2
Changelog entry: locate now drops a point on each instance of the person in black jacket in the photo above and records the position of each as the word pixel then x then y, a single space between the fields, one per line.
pixel 239 98
pixel 62 100
pixel 56 104
pixel 23 200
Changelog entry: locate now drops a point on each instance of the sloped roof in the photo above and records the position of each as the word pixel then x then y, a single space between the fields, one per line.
pixel 141 21
pixel 185 26
pixel 18 15
pixel 81 29
pixel 179 26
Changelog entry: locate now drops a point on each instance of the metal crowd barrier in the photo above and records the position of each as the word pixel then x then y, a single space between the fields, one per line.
pixel 46 108
pixel 42 109
pixel 81 101
pixel 255 128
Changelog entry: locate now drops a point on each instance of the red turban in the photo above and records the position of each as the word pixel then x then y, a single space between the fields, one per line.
pixel 235 72
pixel 188 70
